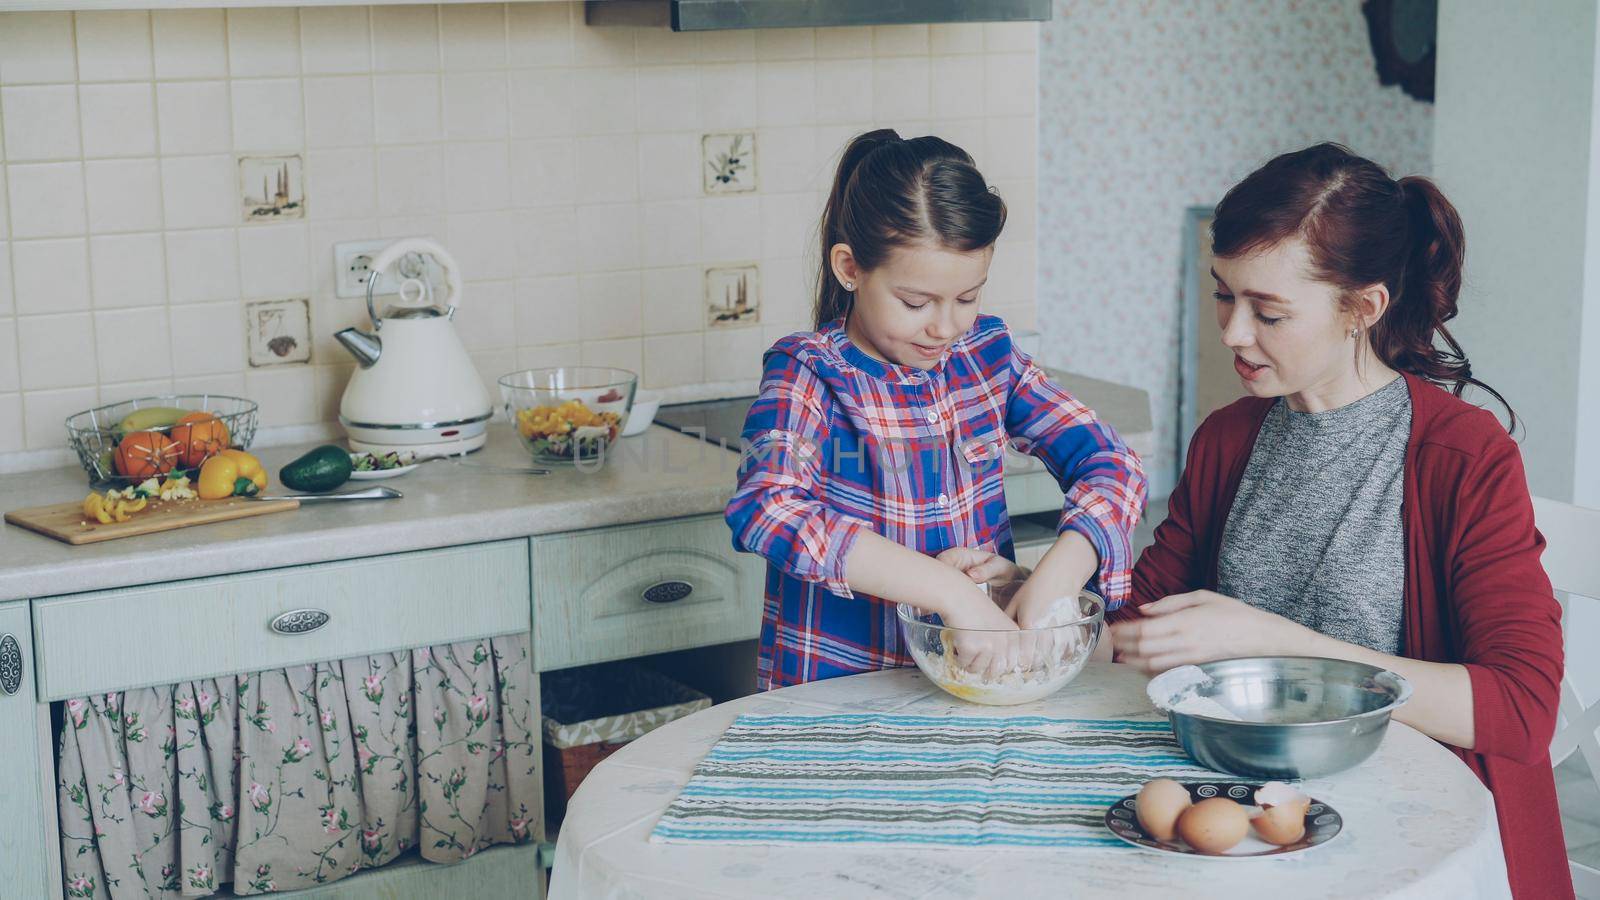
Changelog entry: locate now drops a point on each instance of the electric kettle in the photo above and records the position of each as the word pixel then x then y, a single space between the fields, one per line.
pixel 416 389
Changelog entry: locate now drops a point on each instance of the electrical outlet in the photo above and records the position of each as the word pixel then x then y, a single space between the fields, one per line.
pixel 352 265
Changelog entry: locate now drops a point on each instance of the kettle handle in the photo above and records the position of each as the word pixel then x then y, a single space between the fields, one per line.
pixel 386 258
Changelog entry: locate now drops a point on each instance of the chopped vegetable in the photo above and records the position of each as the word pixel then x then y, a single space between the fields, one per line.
pixel 367 462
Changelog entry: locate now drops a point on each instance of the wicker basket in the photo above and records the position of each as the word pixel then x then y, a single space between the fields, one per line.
pixel 592 712
pixel 94 433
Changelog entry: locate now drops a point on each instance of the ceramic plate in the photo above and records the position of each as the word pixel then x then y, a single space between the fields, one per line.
pixel 376 474
pixel 1323 822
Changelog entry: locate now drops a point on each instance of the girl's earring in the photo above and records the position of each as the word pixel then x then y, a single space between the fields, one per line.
pixel 1354 332
pixel 849 285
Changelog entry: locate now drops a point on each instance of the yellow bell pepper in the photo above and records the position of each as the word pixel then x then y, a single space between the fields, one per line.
pixel 217 476
pixel 249 467
pixel 94 509
pixel 125 508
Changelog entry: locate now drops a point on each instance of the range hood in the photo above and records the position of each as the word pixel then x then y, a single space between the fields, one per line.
pixel 719 15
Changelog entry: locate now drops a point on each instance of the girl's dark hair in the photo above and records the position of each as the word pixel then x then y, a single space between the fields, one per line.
pixel 892 193
pixel 1364 228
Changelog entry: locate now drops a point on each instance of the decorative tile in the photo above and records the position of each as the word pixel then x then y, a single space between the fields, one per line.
pixel 733 296
pixel 278 331
pixel 729 162
pixel 271 187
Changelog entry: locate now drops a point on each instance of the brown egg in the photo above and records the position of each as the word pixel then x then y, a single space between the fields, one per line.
pixel 1214 825
pixel 1161 801
pixel 1283 813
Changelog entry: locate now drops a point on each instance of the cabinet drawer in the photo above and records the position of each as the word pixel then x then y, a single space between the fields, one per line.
pixel 110 640
pixel 620 592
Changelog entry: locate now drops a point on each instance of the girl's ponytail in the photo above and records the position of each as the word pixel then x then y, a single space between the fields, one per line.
pixel 833 301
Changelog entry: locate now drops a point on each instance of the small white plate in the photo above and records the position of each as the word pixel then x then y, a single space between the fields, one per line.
pixel 377 474
pixel 1323 824
pixel 640 417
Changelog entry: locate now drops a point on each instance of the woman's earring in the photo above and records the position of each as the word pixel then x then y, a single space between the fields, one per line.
pixel 1354 332
pixel 849 285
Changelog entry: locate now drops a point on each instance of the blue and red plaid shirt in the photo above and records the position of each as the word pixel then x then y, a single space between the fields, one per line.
pixel 838 441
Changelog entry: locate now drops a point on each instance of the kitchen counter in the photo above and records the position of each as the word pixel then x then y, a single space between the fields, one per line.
pixel 658 475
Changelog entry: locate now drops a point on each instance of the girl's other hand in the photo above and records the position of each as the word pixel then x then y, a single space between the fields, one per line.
pixel 983 566
pixel 1202 626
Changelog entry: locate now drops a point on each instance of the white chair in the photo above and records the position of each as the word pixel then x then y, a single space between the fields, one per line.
pixel 1572 560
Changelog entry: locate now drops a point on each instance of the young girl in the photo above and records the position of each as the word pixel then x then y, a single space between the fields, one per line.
pixel 1350 507
pixel 877 441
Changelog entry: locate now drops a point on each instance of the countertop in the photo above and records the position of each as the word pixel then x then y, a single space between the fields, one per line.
pixel 660 474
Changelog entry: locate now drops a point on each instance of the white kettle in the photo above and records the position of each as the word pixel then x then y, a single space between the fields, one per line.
pixel 416 389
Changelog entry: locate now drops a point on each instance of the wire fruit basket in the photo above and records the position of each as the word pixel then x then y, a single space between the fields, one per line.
pixel 94 434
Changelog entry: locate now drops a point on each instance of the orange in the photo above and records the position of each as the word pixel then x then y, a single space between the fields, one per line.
pixel 199 437
pixel 145 454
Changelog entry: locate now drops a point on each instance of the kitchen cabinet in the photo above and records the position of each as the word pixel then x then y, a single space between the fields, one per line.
pixel 616 593
pixel 30 861
pixel 607 593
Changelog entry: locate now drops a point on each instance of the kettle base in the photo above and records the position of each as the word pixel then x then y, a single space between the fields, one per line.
pixel 448 441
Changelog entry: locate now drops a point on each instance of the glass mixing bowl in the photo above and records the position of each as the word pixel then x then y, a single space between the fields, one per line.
pixel 568 413
pixel 1046 659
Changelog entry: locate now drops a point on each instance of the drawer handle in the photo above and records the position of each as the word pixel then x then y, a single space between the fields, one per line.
pixel 299 621
pixel 10 664
pixel 667 591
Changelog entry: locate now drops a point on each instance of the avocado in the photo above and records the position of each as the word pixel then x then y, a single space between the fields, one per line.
pixel 322 469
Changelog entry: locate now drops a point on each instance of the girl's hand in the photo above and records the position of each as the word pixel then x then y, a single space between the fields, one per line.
pixel 988 654
pixel 1069 564
pixel 1202 626
pixel 982 566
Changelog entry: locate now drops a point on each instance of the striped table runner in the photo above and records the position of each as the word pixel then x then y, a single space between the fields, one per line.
pixel 1021 781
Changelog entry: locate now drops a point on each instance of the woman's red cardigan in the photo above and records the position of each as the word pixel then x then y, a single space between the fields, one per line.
pixel 1475 594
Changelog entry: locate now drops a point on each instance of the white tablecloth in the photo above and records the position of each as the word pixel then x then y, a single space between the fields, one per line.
pixel 1417 823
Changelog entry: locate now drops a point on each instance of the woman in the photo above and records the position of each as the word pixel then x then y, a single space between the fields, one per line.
pixel 1351 506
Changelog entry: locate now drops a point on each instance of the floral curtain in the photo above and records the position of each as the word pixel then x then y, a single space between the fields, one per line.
pixel 295 777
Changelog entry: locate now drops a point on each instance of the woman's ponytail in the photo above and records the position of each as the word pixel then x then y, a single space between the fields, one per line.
pixel 1430 289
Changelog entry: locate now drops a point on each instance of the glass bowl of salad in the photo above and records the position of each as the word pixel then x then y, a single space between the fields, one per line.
pixel 568 413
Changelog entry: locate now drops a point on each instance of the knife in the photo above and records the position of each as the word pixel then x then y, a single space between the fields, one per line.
pixel 380 492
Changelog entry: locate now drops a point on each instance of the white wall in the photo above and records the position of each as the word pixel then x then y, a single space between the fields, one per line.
pixel 1147 109
pixel 560 163
pixel 1514 148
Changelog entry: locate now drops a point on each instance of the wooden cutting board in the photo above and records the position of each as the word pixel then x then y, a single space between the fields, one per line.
pixel 65 521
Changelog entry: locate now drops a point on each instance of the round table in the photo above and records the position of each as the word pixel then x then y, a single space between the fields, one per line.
pixel 1418 823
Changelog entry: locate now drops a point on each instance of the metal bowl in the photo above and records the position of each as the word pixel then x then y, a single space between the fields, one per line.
pixel 1301 716
pixel 94 433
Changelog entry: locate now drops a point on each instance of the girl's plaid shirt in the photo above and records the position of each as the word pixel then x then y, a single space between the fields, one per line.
pixel 838 441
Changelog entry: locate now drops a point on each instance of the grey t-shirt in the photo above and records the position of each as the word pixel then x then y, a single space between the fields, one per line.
pixel 1315 532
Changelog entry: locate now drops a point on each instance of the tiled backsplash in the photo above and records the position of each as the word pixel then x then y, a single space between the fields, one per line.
pixel 617 196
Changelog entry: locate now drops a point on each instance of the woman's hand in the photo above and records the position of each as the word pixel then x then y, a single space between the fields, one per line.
pixel 1202 626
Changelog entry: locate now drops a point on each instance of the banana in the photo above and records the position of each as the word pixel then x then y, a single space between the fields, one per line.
pixel 151 417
